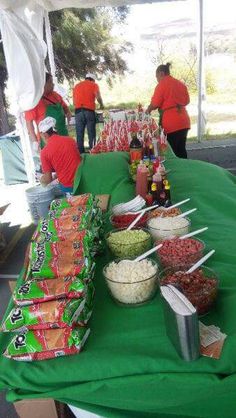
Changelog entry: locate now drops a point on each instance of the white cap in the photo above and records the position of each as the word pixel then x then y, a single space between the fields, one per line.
pixel 90 75
pixel 46 124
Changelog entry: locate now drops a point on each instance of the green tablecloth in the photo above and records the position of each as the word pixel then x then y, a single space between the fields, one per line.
pixel 128 367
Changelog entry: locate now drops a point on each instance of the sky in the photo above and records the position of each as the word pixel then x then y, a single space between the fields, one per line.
pixel 216 12
pixel 146 19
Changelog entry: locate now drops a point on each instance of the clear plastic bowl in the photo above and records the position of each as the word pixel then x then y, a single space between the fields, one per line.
pixel 122 250
pixel 158 212
pixel 201 295
pixel 160 234
pixel 170 258
pixel 123 221
pixel 132 293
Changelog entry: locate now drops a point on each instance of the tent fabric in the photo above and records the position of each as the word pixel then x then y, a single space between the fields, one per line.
pixel 24 54
pixel 61 4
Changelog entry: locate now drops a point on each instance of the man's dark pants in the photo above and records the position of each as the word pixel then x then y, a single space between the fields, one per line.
pixel 83 118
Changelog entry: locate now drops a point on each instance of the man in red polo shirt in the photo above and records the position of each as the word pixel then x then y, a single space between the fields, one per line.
pixel 85 94
pixel 60 155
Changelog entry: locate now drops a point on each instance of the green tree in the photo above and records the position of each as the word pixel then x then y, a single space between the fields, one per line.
pixel 83 41
pixel 4 127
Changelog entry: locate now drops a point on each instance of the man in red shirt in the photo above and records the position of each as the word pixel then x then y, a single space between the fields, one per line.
pixel 170 98
pixel 60 155
pixel 51 104
pixel 85 94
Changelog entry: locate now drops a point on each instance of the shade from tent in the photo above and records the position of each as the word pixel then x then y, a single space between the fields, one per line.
pixel 51 5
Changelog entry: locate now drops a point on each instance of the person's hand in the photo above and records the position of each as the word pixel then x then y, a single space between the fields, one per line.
pixel 68 117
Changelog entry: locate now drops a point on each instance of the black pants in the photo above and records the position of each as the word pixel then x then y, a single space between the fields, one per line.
pixel 177 141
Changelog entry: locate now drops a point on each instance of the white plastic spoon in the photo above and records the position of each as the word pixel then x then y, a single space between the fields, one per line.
pixel 144 255
pixel 135 220
pixel 182 215
pixel 179 203
pixel 146 210
pixel 201 261
pixel 191 234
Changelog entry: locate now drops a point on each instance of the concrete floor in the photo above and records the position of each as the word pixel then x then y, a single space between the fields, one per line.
pixel 220 153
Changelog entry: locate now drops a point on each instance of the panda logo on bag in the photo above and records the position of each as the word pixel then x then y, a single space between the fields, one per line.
pixel 20 341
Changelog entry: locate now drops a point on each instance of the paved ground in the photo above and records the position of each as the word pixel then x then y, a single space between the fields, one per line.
pixel 220 153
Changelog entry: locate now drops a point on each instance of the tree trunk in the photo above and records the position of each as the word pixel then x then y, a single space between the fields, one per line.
pixel 4 127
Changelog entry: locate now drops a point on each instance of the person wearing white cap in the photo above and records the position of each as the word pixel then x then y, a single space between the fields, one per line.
pixel 60 155
pixel 85 94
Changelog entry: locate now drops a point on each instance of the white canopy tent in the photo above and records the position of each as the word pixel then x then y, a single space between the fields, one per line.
pixel 21 24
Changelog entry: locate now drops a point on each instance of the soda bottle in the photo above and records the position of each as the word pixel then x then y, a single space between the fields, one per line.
pixel 136 149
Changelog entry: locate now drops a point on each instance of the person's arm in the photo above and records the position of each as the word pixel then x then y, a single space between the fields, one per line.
pixel 99 99
pixel 47 168
pixel 66 110
pixel 156 100
pixel 150 108
pixel 186 98
pixel 46 178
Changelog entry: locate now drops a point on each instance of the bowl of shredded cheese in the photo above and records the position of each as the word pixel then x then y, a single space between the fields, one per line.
pixel 132 283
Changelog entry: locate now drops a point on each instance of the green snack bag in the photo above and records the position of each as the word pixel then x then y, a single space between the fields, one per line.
pixel 46 344
pixel 87 310
pixel 63 230
pixel 37 291
pixel 78 201
pixel 59 259
pixel 54 314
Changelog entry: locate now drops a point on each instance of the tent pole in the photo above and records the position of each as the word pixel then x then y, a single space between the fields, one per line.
pixel 201 81
pixel 26 148
pixel 50 46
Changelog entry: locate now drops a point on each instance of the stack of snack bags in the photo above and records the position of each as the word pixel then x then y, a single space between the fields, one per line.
pixel 54 302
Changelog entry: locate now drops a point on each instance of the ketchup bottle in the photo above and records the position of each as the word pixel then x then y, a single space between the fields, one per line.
pixel 142 180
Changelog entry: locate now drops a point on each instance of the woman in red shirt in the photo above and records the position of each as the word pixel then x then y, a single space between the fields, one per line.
pixel 170 98
pixel 51 104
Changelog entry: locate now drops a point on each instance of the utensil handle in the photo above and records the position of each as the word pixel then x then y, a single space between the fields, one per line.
pixel 145 210
pixel 135 221
pixel 144 255
pixel 179 204
pixel 191 234
pixel 182 215
pixel 201 261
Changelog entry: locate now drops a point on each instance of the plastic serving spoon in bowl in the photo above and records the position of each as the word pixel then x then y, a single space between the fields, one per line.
pixel 135 220
pixel 191 234
pixel 182 215
pixel 141 213
pixel 201 261
pixel 147 253
pixel 179 203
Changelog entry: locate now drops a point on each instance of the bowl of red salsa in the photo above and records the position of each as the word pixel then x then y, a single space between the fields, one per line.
pixel 123 221
pixel 200 287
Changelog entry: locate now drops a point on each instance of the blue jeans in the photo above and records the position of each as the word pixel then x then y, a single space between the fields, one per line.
pixel 83 118
pixel 65 189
